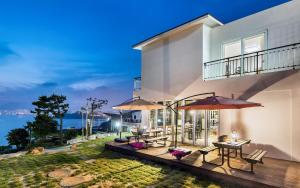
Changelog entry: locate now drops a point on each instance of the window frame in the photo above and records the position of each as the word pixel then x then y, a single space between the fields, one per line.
pixel 241 39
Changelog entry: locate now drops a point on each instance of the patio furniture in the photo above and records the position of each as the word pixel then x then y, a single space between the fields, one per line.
pixel 238 145
pixel 156 139
pixel 206 150
pixel 136 137
pixel 179 152
pixel 255 157
pixel 155 132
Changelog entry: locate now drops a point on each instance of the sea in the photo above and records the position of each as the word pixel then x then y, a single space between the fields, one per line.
pixel 9 122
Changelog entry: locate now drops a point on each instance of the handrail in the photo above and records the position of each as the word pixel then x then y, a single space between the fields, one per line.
pixel 278 58
pixel 270 49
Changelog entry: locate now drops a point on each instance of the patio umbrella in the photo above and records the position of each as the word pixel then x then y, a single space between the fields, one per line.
pixel 138 104
pixel 217 102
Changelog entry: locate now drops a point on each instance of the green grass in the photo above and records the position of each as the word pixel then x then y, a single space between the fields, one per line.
pixel 110 169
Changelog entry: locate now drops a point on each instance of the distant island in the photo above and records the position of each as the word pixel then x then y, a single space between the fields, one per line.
pixel 75 115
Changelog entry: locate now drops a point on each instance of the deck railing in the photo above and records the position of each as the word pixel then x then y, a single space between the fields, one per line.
pixel 274 59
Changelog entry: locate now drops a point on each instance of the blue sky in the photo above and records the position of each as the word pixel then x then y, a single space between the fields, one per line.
pixel 82 48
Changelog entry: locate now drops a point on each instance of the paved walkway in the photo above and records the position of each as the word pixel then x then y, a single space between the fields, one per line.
pixel 47 151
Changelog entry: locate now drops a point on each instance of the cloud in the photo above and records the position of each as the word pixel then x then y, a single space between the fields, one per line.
pixel 98 80
pixel 49 84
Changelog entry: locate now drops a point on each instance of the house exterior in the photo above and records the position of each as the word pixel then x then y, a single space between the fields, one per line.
pixel 256 58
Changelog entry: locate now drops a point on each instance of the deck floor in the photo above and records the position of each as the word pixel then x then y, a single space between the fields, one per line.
pixel 273 173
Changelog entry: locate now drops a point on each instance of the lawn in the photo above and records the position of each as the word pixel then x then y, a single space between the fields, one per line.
pixel 108 168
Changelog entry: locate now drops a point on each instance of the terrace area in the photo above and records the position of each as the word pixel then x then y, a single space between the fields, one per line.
pixel 273 173
pixel 270 60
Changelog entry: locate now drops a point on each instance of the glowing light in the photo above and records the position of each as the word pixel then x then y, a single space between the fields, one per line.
pixel 234 136
pixel 192 112
pixel 118 124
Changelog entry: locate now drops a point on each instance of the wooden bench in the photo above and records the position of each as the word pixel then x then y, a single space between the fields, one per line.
pixel 206 150
pixel 152 140
pixel 255 157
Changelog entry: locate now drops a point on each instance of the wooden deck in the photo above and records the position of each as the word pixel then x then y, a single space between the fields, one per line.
pixel 273 173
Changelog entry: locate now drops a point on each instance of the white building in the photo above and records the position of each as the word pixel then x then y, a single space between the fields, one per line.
pixel 255 58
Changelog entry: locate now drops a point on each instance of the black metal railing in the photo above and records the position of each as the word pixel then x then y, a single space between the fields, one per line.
pixel 274 59
pixel 137 83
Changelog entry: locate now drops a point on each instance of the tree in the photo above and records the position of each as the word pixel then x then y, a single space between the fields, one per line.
pixel 42 106
pixel 93 105
pixel 18 137
pixel 59 108
pixel 43 125
pixel 28 127
pixel 44 122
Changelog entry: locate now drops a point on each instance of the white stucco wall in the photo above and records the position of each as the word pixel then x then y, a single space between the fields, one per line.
pixel 171 64
pixel 281 23
pixel 172 69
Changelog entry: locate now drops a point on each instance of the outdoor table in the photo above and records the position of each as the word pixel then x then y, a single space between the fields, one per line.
pixel 155 132
pixel 238 145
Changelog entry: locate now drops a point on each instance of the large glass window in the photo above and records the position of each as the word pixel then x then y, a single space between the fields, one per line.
pixel 189 124
pixel 152 119
pixel 232 49
pixel 254 44
pixel 250 62
pixel 160 116
pixel 244 46
pixel 168 119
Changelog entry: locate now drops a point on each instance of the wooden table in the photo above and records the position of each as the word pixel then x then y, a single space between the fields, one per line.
pixel 238 145
pixel 155 132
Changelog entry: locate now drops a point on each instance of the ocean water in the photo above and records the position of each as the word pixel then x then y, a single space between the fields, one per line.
pixel 9 122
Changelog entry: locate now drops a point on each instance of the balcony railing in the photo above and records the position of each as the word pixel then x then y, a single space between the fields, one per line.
pixel 274 59
pixel 137 84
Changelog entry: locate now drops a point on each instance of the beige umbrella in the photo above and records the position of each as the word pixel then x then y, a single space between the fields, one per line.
pixel 138 104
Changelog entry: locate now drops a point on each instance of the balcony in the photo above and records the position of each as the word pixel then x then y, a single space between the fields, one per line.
pixel 270 60
pixel 137 84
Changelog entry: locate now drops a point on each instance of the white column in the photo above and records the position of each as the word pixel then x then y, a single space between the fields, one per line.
pixel 194 126
pixel 182 123
pixel 155 119
pixel 164 119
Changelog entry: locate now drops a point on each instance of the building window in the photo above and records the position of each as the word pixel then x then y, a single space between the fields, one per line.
pixel 160 118
pixel 232 49
pixel 254 44
pixel 244 46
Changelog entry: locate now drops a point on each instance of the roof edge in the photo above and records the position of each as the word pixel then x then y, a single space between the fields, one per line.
pixel 140 45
